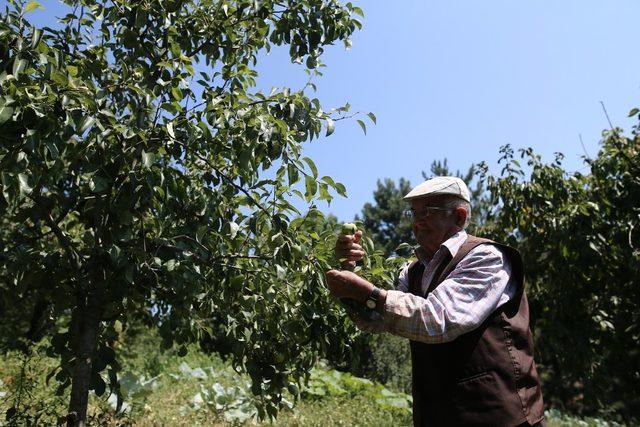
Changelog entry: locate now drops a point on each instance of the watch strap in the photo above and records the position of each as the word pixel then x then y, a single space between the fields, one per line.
pixel 374 298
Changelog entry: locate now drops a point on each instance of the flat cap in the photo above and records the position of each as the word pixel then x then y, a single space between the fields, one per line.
pixel 441 185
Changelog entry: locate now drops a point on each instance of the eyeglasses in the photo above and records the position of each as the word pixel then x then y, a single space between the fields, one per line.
pixel 424 212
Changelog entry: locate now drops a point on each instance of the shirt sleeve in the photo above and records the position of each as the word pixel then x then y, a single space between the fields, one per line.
pixel 377 327
pixel 478 285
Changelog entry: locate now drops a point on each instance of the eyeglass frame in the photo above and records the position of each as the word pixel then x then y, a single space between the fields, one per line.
pixel 425 212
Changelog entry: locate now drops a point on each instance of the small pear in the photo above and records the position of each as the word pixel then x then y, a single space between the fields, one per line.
pixel 349 228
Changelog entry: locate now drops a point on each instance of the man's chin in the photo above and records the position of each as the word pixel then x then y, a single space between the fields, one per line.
pixel 422 234
pixel 423 239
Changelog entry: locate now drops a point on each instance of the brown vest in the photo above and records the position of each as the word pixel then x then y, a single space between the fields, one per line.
pixel 486 377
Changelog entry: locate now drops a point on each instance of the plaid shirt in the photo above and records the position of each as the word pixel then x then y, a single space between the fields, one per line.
pixel 478 285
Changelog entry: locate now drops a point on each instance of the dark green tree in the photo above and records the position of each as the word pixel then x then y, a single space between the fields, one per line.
pixel 579 235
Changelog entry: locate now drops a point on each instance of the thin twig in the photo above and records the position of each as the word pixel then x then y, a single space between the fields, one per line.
pixel 586 154
pixel 607 116
pixel 70 251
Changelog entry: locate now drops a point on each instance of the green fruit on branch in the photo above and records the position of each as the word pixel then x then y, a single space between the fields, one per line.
pixel 349 228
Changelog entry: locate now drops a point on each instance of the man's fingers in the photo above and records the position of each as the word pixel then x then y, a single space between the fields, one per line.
pixel 350 255
pixel 348 246
pixel 346 237
pixel 354 255
pixel 347 249
pixel 347 265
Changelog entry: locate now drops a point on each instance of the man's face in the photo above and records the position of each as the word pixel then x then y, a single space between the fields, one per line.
pixel 438 226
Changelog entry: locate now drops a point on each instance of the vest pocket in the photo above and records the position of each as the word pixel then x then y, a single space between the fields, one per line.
pixel 477 376
pixel 477 393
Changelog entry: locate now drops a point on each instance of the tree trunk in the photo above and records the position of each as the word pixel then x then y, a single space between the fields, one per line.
pixel 85 322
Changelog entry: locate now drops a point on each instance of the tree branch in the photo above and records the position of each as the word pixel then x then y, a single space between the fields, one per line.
pixel 226 178
pixel 69 249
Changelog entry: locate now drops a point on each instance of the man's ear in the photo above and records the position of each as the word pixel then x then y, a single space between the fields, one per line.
pixel 461 216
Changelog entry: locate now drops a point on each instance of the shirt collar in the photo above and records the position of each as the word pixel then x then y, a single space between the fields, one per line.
pixel 452 244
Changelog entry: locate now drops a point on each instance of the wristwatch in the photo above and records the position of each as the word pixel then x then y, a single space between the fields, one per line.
pixel 373 299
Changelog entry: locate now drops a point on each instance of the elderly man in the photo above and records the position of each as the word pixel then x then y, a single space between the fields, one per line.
pixel 463 306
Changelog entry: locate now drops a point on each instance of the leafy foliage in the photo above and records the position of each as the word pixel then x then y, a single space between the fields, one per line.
pixel 384 358
pixel 196 389
pixel 579 236
pixel 145 177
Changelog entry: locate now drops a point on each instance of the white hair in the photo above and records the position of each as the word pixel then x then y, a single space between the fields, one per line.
pixel 454 202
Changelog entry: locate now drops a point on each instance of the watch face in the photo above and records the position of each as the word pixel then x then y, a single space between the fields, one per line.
pixel 371 304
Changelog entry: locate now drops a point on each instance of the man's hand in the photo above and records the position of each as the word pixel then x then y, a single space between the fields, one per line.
pixel 348 249
pixel 346 284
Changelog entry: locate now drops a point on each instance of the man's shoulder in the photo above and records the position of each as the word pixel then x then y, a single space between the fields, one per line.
pixel 496 252
pixel 482 244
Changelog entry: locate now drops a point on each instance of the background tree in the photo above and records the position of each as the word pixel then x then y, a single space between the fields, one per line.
pixel 384 218
pixel 144 176
pixel 579 236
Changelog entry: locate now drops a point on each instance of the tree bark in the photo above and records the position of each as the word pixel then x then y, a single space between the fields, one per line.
pixel 85 322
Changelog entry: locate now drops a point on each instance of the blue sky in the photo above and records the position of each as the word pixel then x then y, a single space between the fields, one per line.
pixel 457 79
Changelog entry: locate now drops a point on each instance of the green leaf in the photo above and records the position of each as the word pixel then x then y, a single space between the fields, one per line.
pixel 633 112
pixel 5 112
pixel 363 126
pixel 147 159
pixel 358 11
pixel 170 265
pixel 312 166
pixel 32 5
pixel 340 188
pixel 98 183
pixel 176 93
pixel 25 188
pixel 117 326
pixel 372 117
pixel 72 70
pixel 18 66
pixel 311 187
pixel 292 173
pixel 330 126
pixel 87 122
pixel 201 232
pixel 36 36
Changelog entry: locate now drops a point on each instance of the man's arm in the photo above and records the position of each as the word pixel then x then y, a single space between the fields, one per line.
pixel 350 285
